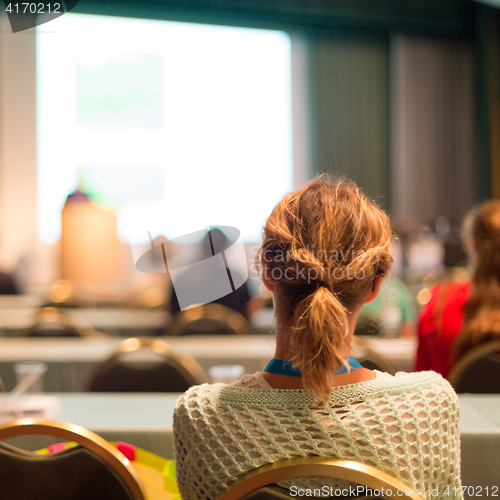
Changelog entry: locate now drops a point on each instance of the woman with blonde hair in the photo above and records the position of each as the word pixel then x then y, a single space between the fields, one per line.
pixel 325 252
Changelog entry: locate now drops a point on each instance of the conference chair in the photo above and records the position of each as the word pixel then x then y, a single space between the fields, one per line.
pixel 260 483
pixel 146 365
pixel 58 322
pixel 91 470
pixel 478 371
pixel 208 319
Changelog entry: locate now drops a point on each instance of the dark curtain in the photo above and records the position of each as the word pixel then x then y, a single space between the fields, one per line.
pixel 350 111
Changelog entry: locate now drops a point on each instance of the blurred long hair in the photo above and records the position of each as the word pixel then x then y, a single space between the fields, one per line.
pixel 481 319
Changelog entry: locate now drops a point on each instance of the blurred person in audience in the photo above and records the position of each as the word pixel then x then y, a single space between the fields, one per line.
pixel 392 313
pixel 314 398
pixel 462 314
pixel 238 300
pixel 153 288
pixel 7 284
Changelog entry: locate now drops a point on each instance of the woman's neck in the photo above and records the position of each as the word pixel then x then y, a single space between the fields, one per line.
pixel 284 325
pixel 282 349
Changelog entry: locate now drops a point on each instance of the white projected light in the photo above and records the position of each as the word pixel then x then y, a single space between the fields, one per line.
pixel 176 125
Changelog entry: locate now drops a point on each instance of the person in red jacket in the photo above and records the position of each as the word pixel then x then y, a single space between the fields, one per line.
pixel 461 315
pixel 439 324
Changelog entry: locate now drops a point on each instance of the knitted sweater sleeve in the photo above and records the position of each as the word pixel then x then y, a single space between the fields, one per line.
pixel 407 426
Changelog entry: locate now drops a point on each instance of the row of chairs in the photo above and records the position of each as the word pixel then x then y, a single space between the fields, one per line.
pixel 146 365
pixel 214 319
pixel 94 469
pixel 476 372
pixel 153 365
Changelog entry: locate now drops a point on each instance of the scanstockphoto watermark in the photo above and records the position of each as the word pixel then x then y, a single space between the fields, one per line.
pixel 357 491
pixel 299 272
pixel 333 265
pixel 333 256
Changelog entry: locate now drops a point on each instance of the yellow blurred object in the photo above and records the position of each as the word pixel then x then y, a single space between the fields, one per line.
pixel 156 474
pixel 60 291
pixel 90 248
pixel 154 297
pixel 424 296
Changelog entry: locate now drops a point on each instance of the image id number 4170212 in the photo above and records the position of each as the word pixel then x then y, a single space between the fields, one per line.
pixel 34 8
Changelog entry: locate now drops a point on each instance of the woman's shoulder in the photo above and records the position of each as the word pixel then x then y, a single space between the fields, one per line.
pixel 419 383
pixel 427 384
pixel 415 381
pixel 418 380
pixel 414 378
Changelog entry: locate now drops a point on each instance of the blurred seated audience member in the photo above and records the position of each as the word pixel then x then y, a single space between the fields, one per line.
pixel 463 314
pixel 152 287
pixel 7 285
pixel 393 310
pixel 314 398
pixel 238 300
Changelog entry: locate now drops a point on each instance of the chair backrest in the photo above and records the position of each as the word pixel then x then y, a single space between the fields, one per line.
pixel 347 470
pixel 146 365
pixel 371 359
pixel 92 471
pixel 478 371
pixel 208 319
pixel 56 322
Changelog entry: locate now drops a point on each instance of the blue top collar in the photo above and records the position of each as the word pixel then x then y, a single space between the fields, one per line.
pixel 282 367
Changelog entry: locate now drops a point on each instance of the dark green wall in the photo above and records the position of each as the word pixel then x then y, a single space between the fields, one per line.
pixel 450 17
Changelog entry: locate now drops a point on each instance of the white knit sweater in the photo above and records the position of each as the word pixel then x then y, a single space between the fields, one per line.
pixel 407 426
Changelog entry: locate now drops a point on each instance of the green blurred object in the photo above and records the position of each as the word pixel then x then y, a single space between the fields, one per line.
pixel 392 308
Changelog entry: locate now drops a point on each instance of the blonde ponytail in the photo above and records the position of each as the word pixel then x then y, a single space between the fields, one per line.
pixel 317 340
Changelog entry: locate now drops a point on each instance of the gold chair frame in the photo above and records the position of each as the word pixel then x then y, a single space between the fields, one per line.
pixel 216 312
pixel 52 314
pixel 83 437
pixel 348 470
pixel 473 355
pixel 186 365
